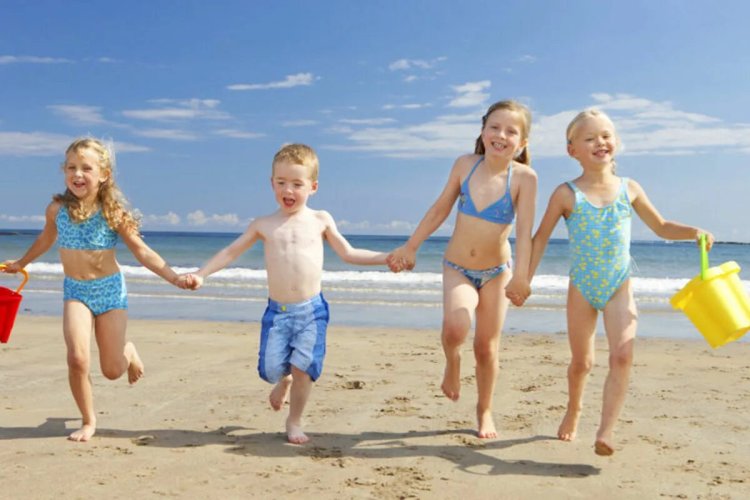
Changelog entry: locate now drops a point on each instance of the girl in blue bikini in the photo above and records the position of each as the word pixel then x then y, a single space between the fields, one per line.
pixel 597 208
pixel 87 221
pixel 494 186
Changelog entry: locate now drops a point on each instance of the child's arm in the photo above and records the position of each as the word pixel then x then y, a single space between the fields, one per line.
pixel 147 256
pixel 519 287
pixel 560 204
pixel 344 250
pixel 404 257
pixel 666 229
pixel 227 255
pixel 43 242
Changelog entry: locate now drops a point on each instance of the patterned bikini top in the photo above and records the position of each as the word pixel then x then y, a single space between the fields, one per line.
pixel 500 212
pixel 91 234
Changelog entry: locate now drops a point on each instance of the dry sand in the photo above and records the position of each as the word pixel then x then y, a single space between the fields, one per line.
pixel 198 424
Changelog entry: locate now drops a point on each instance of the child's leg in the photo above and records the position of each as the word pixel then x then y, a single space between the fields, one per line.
pixel 581 318
pixel 298 396
pixel 620 323
pixel 280 392
pixel 115 355
pixel 459 301
pixel 493 305
pixel 77 326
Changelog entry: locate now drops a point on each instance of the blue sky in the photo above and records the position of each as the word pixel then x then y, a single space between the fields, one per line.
pixel 198 96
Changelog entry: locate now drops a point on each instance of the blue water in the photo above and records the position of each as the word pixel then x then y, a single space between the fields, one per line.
pixel 366 296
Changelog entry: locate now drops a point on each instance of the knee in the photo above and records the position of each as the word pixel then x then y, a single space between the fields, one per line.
pixel 581 366
pixel 78 363
pixel 486 352
pixel 113 371
pixel 454 332
pixel 621 358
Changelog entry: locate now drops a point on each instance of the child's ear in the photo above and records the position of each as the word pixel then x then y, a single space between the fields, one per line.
pixel 571 150
pixel 314 187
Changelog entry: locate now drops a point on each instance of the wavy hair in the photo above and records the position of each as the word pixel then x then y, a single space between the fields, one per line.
pixel 114 206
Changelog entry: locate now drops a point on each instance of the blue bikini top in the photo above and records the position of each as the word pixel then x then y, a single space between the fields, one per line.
pixel 500 212
pixel 91 234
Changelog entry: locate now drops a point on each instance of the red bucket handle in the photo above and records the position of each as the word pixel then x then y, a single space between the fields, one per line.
pixel 25 278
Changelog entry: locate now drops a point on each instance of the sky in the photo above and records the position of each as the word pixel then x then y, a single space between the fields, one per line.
pixel 197 97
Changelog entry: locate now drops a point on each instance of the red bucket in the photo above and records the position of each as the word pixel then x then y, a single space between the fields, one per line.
pixel 9 302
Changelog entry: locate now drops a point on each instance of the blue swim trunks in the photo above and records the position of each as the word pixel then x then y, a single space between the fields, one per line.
pixel 99 295
pixel 293 334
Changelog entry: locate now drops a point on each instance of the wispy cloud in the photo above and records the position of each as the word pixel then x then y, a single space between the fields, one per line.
pixel 366 121
pixel 15 219
pixel 526 58
pixel 299 123
pixel 407 106
pixel 200 218
pixel 421 66
pixel 645 127
pixel 470 94
pixel 238 134
pixel 33 143
pixel 33 60
pixel 177 110
pixel 168 219
pixel 86 115
pixel 164 133
pixel 296 80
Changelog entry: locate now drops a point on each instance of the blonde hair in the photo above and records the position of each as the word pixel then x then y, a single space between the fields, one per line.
pixel 515 106
pixel 299 154
pixel 112 202
pixel 584 115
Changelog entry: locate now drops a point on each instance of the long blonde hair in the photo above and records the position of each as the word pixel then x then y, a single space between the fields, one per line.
pixel 591 113
pixel 515 106
pixel 112 202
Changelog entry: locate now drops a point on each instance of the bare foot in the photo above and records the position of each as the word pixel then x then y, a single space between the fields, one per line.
pixel 294 433
pixel 486 426
pixel 280 393
pixel 602 448
pixel 569 425
pixel 135 368
pixel 451 385
pixel 83 434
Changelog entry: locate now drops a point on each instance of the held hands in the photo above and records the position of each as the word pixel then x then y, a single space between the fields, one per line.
pixel 188 281
pixel 401 259
pixel 518 290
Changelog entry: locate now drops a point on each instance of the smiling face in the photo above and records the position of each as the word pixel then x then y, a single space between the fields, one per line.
pixel 84 174
pixel 292 185
pixel 593 141
pixel 504 134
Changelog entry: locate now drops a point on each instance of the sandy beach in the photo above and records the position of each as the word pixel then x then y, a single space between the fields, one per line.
pixel 198 424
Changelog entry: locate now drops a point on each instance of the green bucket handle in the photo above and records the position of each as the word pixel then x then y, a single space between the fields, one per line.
pixel 704 255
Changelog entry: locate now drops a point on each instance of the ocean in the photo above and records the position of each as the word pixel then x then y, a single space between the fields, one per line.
pixel 367 296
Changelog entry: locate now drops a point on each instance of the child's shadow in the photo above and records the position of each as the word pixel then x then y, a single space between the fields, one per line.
pixel 466 454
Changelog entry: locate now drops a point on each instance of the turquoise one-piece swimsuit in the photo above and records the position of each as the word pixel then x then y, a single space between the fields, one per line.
pixel 599 245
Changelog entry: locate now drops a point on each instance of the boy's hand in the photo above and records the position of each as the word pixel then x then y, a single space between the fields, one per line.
pixel 518 290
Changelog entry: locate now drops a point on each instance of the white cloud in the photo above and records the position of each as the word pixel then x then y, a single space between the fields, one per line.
pixel 299 79
pixel 470 94
pixel 645 127
pixel 299 123
pixel 367 121
pixel 170 134
pixel 175 110
pixel 87 115
pixel 408 64
pixel 526 58
pixel 168 219
pixel 33 60
pixel 199 218
pixel 21 218
pixel 238 134
pixel 33 144
pixel 407 106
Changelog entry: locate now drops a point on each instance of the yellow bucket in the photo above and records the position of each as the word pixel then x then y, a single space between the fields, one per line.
pixel 716 302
